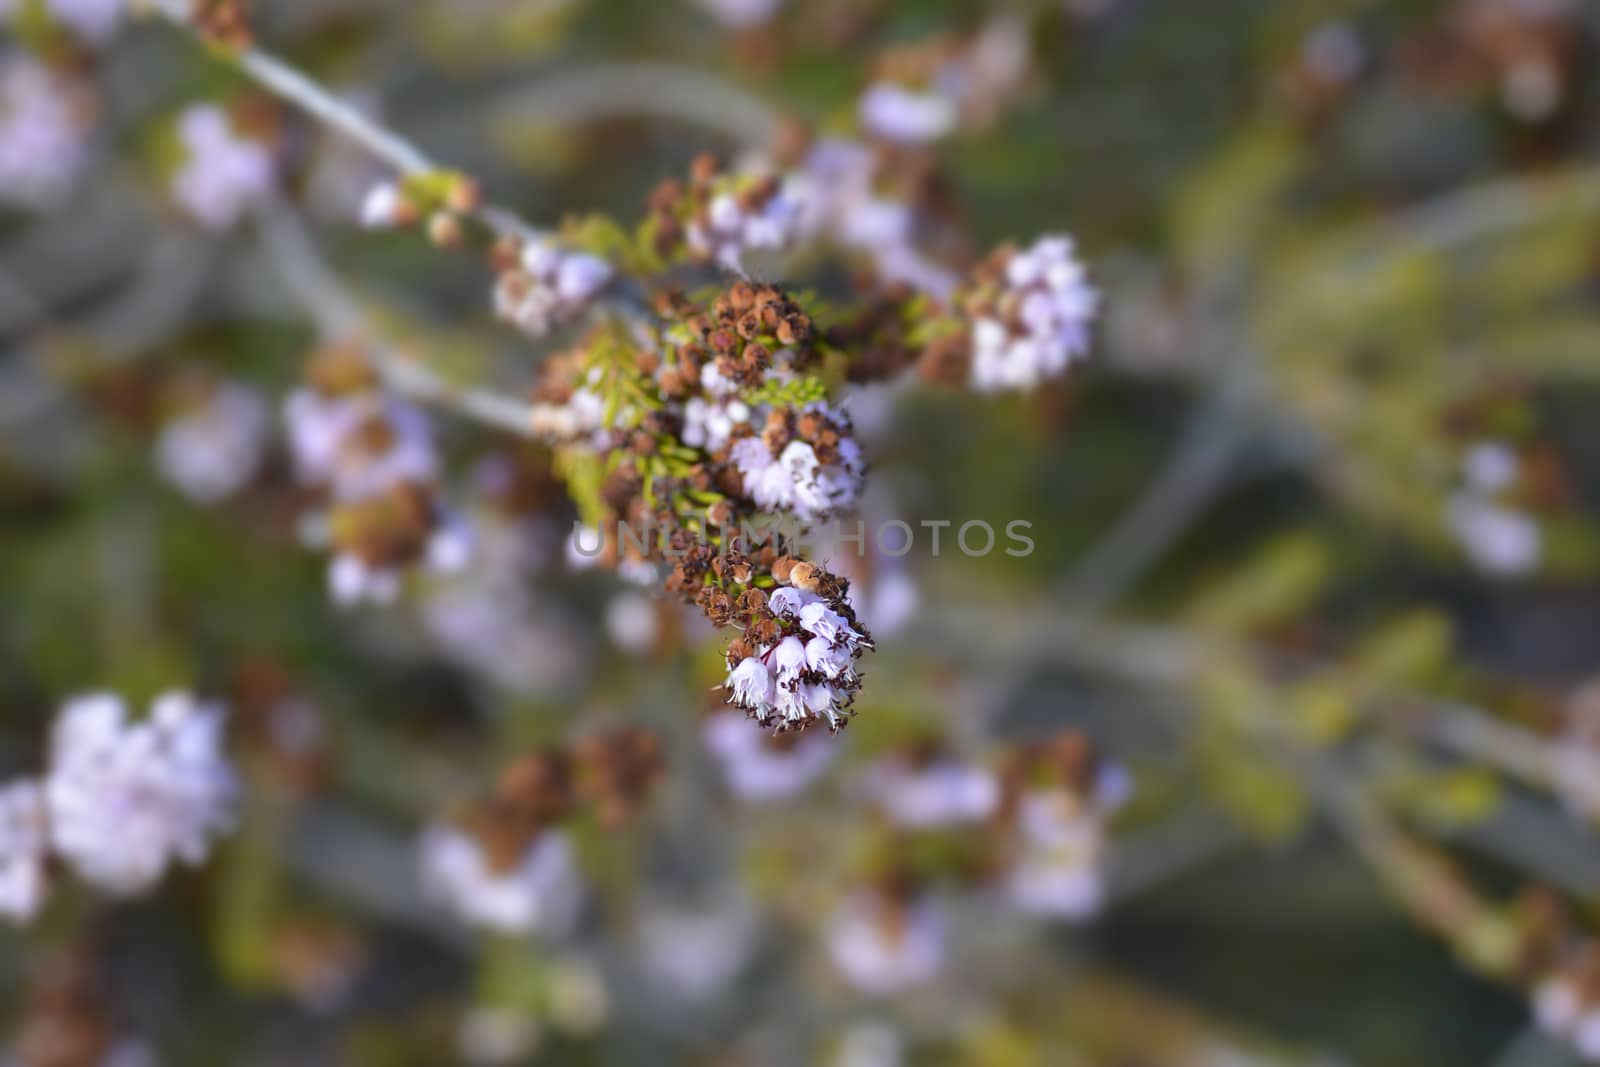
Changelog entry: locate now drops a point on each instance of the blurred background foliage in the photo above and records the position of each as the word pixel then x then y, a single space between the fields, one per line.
pixel 1320 294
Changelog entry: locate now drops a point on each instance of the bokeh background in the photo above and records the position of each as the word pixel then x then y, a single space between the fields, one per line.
pixel 1342 245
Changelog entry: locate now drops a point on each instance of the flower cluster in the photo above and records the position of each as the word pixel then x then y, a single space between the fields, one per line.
pixel 1566 1003
pixel 707 423
pixel 491 618
pixel 1061 794
pixel 542 285
pixel 875 203
pixel 796 458
pixel 225 174
pixel 1030 831
pixel 374 457
pixel 44 133
pixel 796 662
pixel 534 889
pixel 127 798
pixel 926 788
pixel 216 442
pixel 887 939
pixel 805 464
pixel 120 801
pixel 1498 537
pixel 897 112
pixel 694 955
pixel 225 23
pixel 505 864
pixel 442 200
pixel 719 217
pixel 923 92
pixel 1031 312
pixel 1529 48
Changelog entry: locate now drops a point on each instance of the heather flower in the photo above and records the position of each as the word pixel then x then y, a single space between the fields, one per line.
pixel 1059 871
pixel 1031 316
pixel 22 850
pixel 349 438
pixel 905 115
pixel 216 446
pixel 710 423
pixel 926 794
pixel 719 217
pixel 224 175
pixel 766 215
pixel 538 892
pixel 377 538
pixel 1527 47
pixel 44 120
pixel 633 623
pixel 383 207
pixel 1498 537
pixel 548 286
pixel 1565 1006
pixel 883 592
pixel 760 768
pixel 1060 874
pixel 375 457
pixel 1499 540
pixel 741 14
pixel 884 945
pixel 492 622
pixel 127 798
pixel 809 479
pixel 389 443
pixel 751 682
pixel 581 416
pixel 842 202
pixel 807 674
pixel 317 426
pixel 695 955
pixel 359 445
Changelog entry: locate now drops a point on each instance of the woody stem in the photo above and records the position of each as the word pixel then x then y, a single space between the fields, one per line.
pixel 293 85
pixel 314 285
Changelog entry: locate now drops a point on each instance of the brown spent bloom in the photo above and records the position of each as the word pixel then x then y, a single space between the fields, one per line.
pixel 617 770
pixel 386 530
pixel 1067 760
pixel 65 1021
pixel 223 22
pixel 341 369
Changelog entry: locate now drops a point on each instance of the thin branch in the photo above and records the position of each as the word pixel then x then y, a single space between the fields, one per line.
pixel 1433 891
pixel 338 317
pixel 1217 433
pixel 291 84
